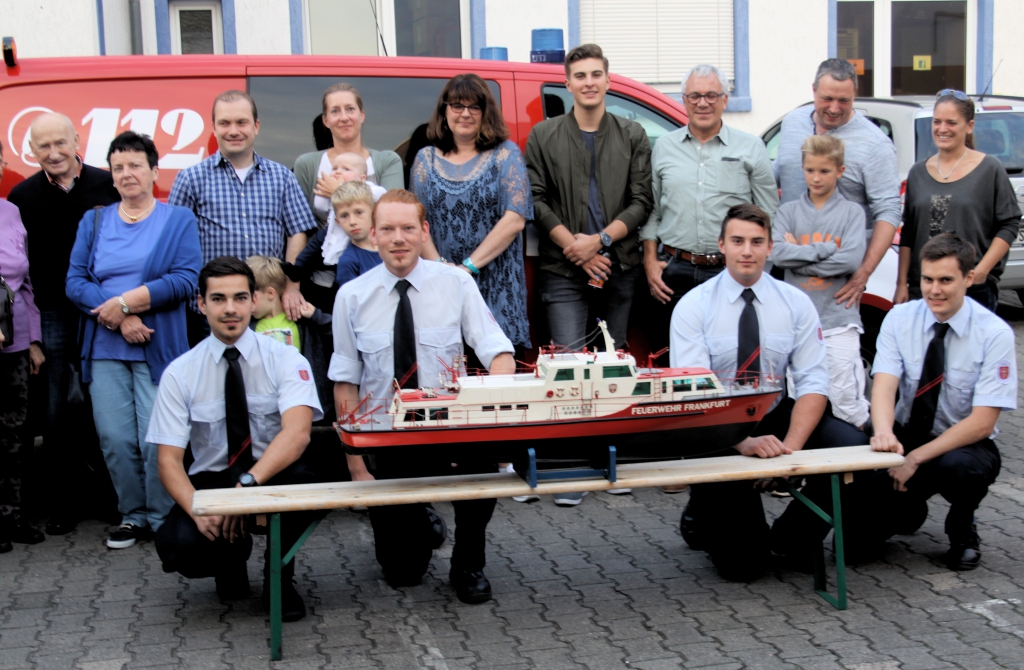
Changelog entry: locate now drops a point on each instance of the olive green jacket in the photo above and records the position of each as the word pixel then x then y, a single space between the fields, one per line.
pixel 559 167
pixel 387 172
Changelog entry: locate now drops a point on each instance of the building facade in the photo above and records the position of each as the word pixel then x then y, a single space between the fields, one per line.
pixel 768 48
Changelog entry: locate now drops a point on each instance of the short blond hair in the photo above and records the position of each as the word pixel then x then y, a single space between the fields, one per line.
pixel 351 192
pixel 829 146
pixel 268 273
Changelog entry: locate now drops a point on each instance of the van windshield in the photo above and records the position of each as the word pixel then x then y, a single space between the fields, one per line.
pixel 395 107
pixel 998 134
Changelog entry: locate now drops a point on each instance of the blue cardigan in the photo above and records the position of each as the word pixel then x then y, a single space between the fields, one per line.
pixel 170 273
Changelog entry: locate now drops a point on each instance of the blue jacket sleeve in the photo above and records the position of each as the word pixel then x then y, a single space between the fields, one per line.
pixel 180 282
pixel 79 286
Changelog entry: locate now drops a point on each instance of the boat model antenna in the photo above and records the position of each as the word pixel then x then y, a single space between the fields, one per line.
pixel 609 343
pixel 351 418
pixel 655 356
pixel 400 383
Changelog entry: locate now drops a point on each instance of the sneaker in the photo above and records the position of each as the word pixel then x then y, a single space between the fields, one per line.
pixel 569 499
pixel 528 498
pixel 619 492
pixel 126 535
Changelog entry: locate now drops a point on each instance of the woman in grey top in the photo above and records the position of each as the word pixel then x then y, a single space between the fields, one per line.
pixel 343 115
pixel 958 190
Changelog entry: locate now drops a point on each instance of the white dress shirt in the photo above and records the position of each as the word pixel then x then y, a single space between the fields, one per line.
pixel 981 360
pixel 704 332
pixel 189 405
pixel 446 307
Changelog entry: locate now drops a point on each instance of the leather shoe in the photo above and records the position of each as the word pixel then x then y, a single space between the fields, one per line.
pixel 60 524
pixel 292 607
pixel 233 583
pixel 688 529
pixel 19 531
pixel 471 587
pixel 5 546
pixel 438 528
pixel 961 557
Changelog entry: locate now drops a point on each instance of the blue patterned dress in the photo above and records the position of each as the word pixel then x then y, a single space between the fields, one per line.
pixel 464 202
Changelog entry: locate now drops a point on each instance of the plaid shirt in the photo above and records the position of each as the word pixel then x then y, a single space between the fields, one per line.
pixel 243 219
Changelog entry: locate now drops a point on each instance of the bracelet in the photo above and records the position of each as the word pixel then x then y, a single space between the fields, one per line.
pixel 469 264
pixel 441 259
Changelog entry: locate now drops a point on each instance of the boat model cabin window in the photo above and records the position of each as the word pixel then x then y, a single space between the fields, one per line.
pixel 682 385
pixel 438 414
pixel 522 407
pixel 488 408
pixel 642 388
pixel 416 415
pixel 565 375
pixel 705 384
pixel 613 371
pixel 586 373
pixel 505 408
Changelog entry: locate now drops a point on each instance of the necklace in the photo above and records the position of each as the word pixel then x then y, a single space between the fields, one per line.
pixel 133 219
pixel 938 165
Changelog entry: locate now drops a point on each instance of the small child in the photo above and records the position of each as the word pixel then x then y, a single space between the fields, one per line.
pixel 820 240
pixel 347 167
pixel 353 214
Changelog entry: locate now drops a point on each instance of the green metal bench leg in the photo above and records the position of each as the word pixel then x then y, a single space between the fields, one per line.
pixel 836 521
pixel 276 562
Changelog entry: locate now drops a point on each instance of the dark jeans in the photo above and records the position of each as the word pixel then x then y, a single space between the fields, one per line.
pixel 183 549
pixel 14 369
pixel 573 306
pixel 680 276
pixel 728 518
pixel 402 533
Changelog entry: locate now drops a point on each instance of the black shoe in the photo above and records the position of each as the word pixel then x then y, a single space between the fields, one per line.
pixel 19 531
pixel 961 557
pixel 126 535
pixel 438 528
pixel 60 524
pixel 292 607
pixel 688 529
pixel 233 583
pixel 5 546
pixel 470 587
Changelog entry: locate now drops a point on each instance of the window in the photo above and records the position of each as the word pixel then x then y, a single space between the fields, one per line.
pixel 586 373
pixel 929 46
pixel 613 371
pixel 522 407
pixel 416 415
pixel 360 27
pixel 855 41
pixel 395 108
pixel 558 100
pixel 771 138
pixel 505 408
pixel 438 413
pixel 488 408
pixel 564 375
pixel 428 28
pixel 705 384
pixel 196 28
pixel 681 385
pixel 642 388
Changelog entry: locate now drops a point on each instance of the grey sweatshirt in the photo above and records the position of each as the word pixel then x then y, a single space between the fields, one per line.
pixel 831 247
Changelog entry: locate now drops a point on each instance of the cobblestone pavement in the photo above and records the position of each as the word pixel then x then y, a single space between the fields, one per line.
pixel 609 584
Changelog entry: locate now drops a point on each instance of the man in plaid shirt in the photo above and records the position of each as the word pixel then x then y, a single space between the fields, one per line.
pixel 246 205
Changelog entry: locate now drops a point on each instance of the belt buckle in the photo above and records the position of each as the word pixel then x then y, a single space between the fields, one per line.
pixel 699 259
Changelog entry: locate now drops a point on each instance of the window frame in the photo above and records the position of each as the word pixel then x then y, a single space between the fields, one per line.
pixel 175 7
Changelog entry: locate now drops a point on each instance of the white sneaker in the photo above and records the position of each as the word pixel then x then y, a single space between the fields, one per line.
pixel 570 499
pixel 531 497
pixel 619 492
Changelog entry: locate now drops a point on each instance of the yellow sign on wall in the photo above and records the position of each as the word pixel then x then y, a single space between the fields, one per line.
pixel 922 62
pixel 858 65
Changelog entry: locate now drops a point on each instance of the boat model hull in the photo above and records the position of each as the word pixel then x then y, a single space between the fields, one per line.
pixel 648 430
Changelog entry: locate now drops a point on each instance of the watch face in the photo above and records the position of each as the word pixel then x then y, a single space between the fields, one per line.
pixel 246 479
pixel 606 239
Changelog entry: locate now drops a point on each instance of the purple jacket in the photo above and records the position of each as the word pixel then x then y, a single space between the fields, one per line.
pixel 14 269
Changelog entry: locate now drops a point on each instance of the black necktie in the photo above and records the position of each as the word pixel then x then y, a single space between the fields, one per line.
pixel 926 400
pixel 748 355
pixel 405 339
pixel 237 411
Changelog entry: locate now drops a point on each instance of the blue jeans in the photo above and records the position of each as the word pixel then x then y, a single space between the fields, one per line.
pixel 573 306
pixel 122 401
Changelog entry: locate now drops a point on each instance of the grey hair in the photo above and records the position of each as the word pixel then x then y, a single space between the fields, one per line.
pixel 838 69
pixel 706 70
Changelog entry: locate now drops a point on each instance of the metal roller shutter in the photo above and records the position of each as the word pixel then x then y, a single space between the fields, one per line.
pixel 657 41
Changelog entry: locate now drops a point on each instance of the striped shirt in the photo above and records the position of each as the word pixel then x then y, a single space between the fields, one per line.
pixel 872 178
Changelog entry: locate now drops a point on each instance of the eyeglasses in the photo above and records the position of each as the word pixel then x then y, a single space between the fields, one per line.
pixel 459 108
pixel 959 95
pixel 3 163
pixel 711 97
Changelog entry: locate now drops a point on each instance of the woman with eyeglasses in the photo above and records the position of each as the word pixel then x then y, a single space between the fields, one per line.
pixel 958 190
pixel 473 182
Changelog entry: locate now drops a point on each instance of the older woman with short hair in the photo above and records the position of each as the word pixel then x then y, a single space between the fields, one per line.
pixel 133 266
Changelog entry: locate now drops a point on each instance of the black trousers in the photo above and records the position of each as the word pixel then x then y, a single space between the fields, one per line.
pixel 183 549
pixel 402 533
pixel 680 276
pixel 728 517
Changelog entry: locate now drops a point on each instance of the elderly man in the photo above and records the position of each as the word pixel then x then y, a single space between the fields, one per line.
pixel 698 173
pixel 52 202
pixel 871 178
pixel 246 205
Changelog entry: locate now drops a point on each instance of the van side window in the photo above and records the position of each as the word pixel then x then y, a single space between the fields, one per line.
pixel 558 100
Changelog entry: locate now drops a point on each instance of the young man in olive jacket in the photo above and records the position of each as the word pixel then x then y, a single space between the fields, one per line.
pixel 590 175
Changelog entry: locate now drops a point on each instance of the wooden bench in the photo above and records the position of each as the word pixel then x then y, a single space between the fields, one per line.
pixel 273 500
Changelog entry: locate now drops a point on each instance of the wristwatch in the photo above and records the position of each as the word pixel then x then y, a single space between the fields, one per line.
pixel 606 239
pixel 246 480
pixel 124 306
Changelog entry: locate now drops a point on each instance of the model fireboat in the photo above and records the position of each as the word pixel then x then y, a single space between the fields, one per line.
pixel 571 405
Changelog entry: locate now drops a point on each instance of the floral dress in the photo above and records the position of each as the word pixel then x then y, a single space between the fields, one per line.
pixel 464 202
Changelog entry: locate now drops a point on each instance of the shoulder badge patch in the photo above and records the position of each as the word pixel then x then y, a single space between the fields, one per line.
pixel 304 376
pixel 1003 371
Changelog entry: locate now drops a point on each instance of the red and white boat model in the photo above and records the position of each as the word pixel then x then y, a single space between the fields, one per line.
pixel 572 405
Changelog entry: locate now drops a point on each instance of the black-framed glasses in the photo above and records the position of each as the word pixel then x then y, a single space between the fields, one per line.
pixel 711 97
pixel 459 108
pixel 959 95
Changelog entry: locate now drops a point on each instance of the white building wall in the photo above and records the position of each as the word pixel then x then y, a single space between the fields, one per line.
pixel 117 28
pixel 49 29
pixel 782 69
pixel 148 27
pixel 1009 18
pixel 262 27
pixel 509 24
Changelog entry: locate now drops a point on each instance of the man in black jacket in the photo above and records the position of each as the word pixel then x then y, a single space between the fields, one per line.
pixel 52 202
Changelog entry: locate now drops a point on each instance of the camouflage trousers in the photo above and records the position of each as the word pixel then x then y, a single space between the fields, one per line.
pixel 13 410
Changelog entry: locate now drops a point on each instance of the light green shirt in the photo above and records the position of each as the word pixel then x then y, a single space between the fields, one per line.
pixel 695 185
pixel 281 328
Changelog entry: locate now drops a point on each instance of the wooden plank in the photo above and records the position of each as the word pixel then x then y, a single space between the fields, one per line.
pixel 336 495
